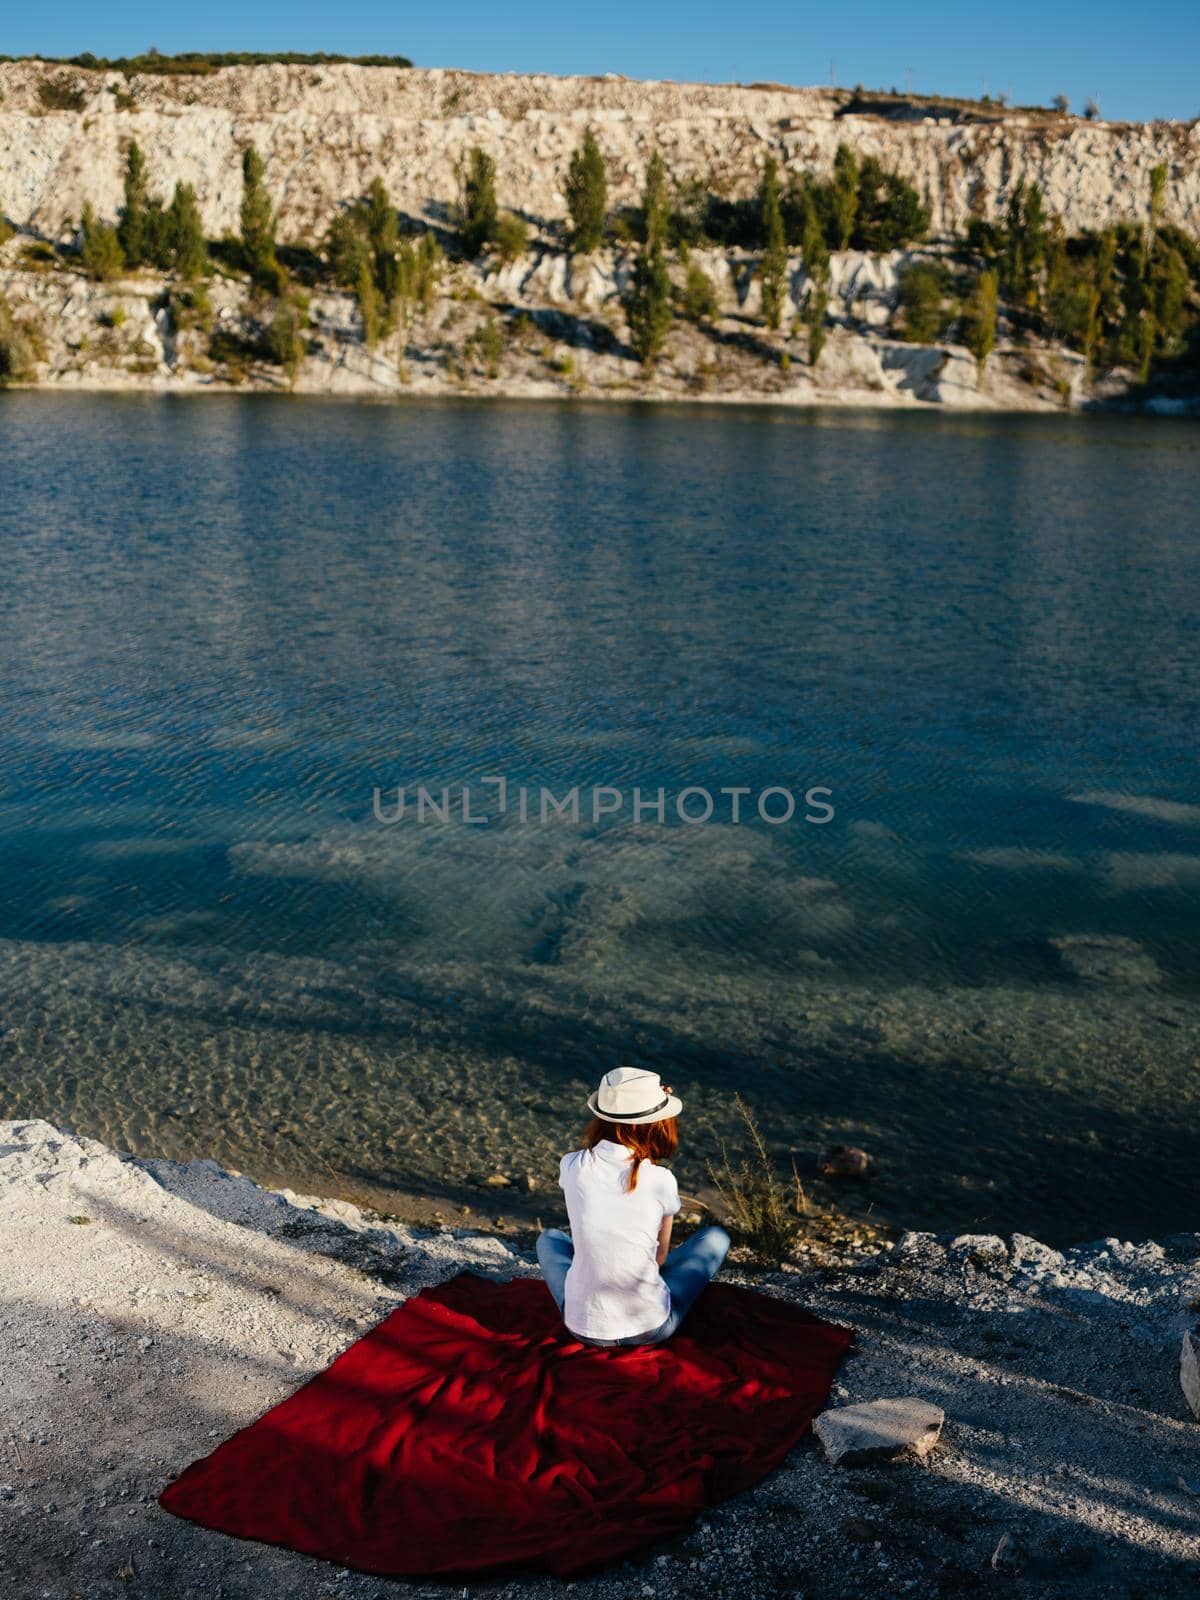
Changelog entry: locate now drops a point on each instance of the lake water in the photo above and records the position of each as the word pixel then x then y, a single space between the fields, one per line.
pixel 226 621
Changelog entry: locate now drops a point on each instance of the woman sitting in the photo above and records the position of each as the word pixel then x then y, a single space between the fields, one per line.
pixel 616 1280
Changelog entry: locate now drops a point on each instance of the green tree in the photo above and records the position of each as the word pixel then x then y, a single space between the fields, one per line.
pixel 890 214
pixel 99 248
pixel 189 252
pixel 700 303
pixel 1026 235
pixel 925 289
pixel 367 296
pixel 258 222
pixel 419 267
pixel 131 223
pixel 1158 190
pixel 773 269
pixel 382 228
pixel 655 212
pixel 648 304
pixel 816 301
pixel 18 347
pixel 511 238
pixel 587 196
pixel 843 197
pixel 1147 333
pixel 478 210
pixel 285 335
pixel 347 248
pixel 979 319
pixel 160 249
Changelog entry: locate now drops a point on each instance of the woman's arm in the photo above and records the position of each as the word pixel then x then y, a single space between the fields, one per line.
pixel 664 1239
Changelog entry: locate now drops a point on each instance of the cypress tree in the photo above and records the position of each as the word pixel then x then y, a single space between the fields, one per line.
pixel 774 262
pixel 258 221
pixel 816 303
pixel 190 256
pixel 479 209
pixel 843 197
pixel 648 304
pixel 131 224
pixel 368 306
pixel 979 319
pixel 654 204
pixel 587 196
pixel 382 232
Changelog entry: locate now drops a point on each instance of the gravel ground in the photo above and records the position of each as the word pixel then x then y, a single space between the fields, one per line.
pixel 147 1309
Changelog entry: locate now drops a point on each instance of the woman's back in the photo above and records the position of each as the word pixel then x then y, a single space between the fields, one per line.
pixel 614 1289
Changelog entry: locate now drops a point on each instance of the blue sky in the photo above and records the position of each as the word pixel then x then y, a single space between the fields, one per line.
pixel 1139 61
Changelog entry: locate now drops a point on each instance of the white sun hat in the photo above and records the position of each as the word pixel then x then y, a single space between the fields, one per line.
pixel 631 1094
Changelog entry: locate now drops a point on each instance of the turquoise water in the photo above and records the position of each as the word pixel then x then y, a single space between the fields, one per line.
pixel 227 621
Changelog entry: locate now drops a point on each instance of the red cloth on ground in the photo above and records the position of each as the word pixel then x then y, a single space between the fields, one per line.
pixel 469 1432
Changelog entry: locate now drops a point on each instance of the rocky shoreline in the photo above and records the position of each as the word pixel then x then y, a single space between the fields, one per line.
pixel 150 1308
pixel 549 328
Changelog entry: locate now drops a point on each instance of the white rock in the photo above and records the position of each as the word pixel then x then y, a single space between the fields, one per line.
pixel 879 1430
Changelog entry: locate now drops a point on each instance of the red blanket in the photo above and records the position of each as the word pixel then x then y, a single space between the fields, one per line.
pixel 469 1432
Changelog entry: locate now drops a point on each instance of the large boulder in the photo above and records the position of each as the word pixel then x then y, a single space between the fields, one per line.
pixel 879 1430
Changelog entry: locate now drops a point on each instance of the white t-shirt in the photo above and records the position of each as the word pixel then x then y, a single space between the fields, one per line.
pixel 614 1289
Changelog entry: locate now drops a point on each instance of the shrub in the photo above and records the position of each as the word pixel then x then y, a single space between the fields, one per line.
pixel 235 353
pixel 510 239
pixel 587 196
pixel 700 301
pixel 477 208
pixel 486 343
pixel 19 347
pixel 57 94
pixel 39 255
pixel 285 336
pixel 926 289
pixel 7 231
pixel 755 1201
pixel 199 63
pixel 191 308
pixel 99 248
pixel 112 319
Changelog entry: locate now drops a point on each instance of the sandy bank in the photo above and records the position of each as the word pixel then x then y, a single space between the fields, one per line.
pixel 150 1308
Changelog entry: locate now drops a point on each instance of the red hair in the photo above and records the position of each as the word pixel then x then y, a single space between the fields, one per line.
pixel 645 1141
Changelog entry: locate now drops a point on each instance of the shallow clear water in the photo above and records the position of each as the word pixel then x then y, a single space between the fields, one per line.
pixel 226 621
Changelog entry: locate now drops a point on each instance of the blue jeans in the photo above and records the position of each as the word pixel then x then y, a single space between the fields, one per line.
pixel 687 1269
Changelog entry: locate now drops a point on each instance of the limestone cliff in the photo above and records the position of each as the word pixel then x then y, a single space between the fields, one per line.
pixel 547 324
pixel 326 131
